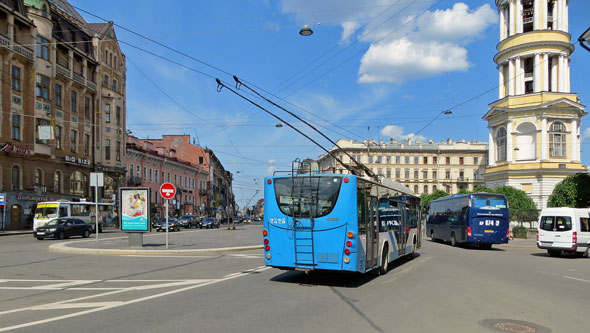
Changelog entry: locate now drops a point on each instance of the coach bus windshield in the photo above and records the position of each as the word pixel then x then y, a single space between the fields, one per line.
pixel 488 201
pixel 307 197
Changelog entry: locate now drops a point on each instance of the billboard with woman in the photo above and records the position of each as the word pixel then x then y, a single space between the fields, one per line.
pixel 135 210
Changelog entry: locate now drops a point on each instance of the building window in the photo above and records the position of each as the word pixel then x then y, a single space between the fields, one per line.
pixel 42 48
pixel 151 179
pixel 476 160
pixel 16 177
pixel 40 123
pixel 58 136
pixel 501 144
pixel 15 127
pixel 388 159
pixel 58 95
pixel 416 159
pixel 16 78
pixel 434 160
pixel 425 189
pixel 425 160
pixel 557 141
pixel 57 182
pixel 415 174
pixel 168 177
pixel 448 160
pixel 370 159
pixel 74 100
pixel 461 160
pixel 73 145
pixel 44 11
pixel 397 160
pixel 379 159
pixel 86 144
pixel 407 159
pixel 434 189
pixel 416 189
pixel 42 86
pixel 105 81
pixel 118 115
pixel 107 113
pixel 118 155
pixel 434 174
pixel 79 184
pixel 145 173
pixel 397 174
pixel 176 180
pixel 407 174
pixel 87 106
pixel 448 174
pixel 107 149
pixel 388 173
pixel 157 174
pixel 448 189
pixel 114 85
pixel 425 174
pixel 138 172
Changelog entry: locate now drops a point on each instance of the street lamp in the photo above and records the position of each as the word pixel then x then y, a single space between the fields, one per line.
pixel 585 38
pixel 305 31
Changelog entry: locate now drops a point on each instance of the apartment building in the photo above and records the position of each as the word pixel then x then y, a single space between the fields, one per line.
pixel 424 167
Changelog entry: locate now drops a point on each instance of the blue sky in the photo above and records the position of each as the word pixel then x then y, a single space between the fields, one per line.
pixel 372 68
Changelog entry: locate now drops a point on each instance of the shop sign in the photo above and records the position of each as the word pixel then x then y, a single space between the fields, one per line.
pixel 26 197
pixel 12 149
pixel 77 160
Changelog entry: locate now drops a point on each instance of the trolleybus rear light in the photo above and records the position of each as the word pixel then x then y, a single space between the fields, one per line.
pixel 347 252
pixel 348 243
pixel 265 241
pixel 269 181
pixel 469 231
pixel 264 233
pixel 349 234
pixel 267 248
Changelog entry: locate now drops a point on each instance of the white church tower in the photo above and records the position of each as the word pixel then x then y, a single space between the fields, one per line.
pixel 534 126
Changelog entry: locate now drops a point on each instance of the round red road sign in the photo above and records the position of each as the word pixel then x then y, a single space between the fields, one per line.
pixel 167 191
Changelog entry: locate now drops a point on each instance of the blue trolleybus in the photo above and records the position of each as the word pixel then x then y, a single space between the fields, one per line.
pixel 338 222
pixel 478 218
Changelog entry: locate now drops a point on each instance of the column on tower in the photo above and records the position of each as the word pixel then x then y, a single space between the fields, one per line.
pixel 501 85
pixel 512 19
pixel 537 24
pixel 511 78
pixel 509 151
pixel 518 17
pixel 544 23
pixel 544 139
pixel 518 76
pixel 503 33
pixel 567 75
pixel 491 148
pixel 537 73
pixel 545 65
pixel 554 77
pixel 565 17
pixel 575 150
pixel 561 73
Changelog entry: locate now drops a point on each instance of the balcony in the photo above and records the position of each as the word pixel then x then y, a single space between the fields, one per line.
pixel 78 78
pixel 462 179
pixel 4 41
pixel 91 85
pixel 133 181
pixel 64 71
pixel 23 51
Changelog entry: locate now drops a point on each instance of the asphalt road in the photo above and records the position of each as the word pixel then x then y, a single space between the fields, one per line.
pixel 443 289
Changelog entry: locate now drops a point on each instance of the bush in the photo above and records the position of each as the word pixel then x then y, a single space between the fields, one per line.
pixel 519 232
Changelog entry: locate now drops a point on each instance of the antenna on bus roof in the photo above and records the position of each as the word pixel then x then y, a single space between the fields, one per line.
pixel 221 85
pixel 359 164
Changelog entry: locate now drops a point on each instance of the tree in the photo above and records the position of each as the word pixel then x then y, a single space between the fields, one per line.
pixel 483 188
pixel 574 191
pixel 517 199
pixel 425 199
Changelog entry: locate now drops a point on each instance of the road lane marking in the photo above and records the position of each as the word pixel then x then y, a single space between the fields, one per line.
pixel 100 306
pixel 573 278
pixel 179 256
pixel 402 272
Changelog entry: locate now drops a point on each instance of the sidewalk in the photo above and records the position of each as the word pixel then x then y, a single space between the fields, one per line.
pixel 184 242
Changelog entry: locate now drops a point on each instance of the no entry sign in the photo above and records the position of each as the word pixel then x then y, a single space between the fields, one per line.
pixel 167 191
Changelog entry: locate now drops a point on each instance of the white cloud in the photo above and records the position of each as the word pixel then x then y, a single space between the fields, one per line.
pixel 397 133
pixel 271 167
pixel 403 59
pixel 406 42
pixel 586 134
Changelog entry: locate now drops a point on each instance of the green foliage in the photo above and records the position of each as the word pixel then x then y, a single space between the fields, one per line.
pixel 464 191
pixel 574 191
pixel 517 199
pixel 425 199
pixel 519 232
pixel 483 188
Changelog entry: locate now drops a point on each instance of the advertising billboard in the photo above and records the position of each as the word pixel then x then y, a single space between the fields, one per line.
pixel 135 208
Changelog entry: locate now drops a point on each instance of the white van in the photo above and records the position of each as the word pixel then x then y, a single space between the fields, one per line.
pixel 564 230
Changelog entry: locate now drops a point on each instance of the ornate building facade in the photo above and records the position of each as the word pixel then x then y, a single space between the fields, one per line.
pixel 534 126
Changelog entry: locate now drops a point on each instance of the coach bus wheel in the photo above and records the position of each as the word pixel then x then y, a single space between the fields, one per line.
pixel 453 239
pixel 384 261
pixel 432 235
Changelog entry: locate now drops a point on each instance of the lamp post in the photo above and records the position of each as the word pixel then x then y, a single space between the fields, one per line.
pixel 585 38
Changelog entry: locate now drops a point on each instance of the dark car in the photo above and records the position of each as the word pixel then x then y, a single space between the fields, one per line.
pixel 63 228
pixel 173 224
pixel 189 221
pixel 209 222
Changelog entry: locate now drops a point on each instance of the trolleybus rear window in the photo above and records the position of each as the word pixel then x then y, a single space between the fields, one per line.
pixel 307 197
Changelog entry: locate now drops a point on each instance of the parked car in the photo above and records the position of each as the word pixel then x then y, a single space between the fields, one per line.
pixel 63 228
pixel 564 230
pixel 173 224
pixel 189 221
pixel 209 222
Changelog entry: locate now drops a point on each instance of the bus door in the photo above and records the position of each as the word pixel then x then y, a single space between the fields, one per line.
pixel 372 232
pixel 403 231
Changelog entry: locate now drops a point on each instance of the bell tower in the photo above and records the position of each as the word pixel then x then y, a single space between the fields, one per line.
pixel 534 126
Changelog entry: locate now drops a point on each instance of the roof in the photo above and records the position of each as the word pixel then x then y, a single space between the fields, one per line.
pixel 68 9
pixel 99 28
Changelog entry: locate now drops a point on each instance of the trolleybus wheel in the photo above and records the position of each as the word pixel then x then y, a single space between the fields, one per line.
pixel 384 261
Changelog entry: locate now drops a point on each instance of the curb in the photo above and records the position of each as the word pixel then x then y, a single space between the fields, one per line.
pixel 15 233
pixel 63 248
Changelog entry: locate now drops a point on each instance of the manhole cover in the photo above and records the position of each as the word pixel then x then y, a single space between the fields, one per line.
pixel 513 326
